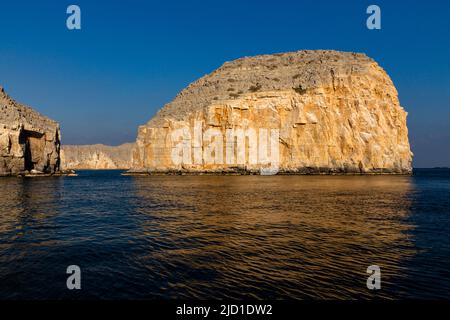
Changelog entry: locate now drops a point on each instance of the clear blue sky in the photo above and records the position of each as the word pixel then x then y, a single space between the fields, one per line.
pixel 132 57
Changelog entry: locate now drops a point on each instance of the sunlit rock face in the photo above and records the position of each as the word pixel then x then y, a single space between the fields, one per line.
pixel 96 156
pixel 299 112
pixel 29 142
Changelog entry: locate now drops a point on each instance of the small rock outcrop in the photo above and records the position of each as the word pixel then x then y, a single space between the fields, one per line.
pixel 29 142
pixel 97 156
pixel 297 113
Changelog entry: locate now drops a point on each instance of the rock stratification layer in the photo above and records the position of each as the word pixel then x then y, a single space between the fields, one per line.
pixel 298 112
pixel 97 156
pixel 29 142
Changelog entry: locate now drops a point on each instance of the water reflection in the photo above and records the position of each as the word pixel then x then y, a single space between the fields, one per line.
pixel 275 236
pixel 214 237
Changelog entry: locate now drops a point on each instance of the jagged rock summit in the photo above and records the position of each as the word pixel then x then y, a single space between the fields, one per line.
pixel 29 142
pixel 299 112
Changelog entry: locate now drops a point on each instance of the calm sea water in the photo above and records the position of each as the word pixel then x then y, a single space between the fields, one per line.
pixel 225 237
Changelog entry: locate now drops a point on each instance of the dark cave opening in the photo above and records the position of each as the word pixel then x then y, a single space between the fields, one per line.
pixel 25 138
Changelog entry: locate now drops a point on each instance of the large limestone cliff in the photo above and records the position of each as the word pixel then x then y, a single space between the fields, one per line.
pixel 297 112
pixel 29 142
pixel 97 156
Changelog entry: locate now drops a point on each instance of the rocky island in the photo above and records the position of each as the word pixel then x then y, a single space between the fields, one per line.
pixel 29 142
pixel 305 112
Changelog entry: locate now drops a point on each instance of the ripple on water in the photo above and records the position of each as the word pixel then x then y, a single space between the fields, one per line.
pixel 225 237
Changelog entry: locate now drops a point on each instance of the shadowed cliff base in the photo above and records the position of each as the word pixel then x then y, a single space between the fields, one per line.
pixel 243 171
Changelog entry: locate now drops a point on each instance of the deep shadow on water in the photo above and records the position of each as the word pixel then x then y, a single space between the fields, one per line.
pixel 226 236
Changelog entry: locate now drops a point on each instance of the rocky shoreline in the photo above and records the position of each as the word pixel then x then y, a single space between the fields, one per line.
pixel 34 173
pixel 244 172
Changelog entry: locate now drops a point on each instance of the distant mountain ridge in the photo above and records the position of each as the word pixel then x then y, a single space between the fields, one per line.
pixel 96 156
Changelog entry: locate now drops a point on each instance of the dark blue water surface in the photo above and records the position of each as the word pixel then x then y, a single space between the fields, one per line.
pixel 225 236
